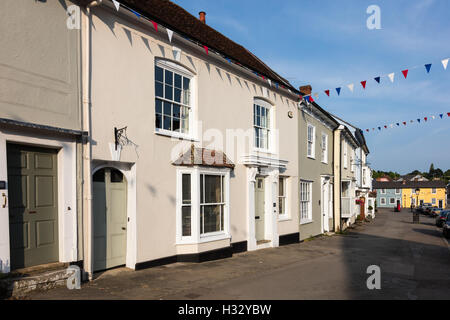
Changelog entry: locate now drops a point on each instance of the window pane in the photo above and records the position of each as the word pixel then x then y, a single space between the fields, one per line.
pixel 186 83
pixel 168 92
pixel 186 221
pixel 158 74
pixel 177 81
pixel 158 121
pixel 167 109
pixel 186 97
pixel 169 77
pixel 281 205
pixel 281 187
pixel 177 96
pixel 99 176
pixel 167 123
pixel 158 106
pixel 176 111
pixel 116 176
pixel 212 189
pixel 186 186
pixel 212 219
pixel 159 89
pixel 176 124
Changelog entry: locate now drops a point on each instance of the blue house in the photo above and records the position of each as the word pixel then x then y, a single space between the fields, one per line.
pixel 387 194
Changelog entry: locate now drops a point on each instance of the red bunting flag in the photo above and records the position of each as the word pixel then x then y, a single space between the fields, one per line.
pixel 155 25
pixel 426 118
pixel 404 122
pixel 367 130
pixel 405 73
pixel 448 113
pixel 363 83
pixel 385 127
pixel 206 49
pixel 327 92
pixel 311 99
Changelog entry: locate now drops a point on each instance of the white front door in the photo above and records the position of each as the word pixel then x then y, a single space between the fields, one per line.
pixel 325 204
pixel 260 211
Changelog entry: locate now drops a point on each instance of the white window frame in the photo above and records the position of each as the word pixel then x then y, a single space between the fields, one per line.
pixel 196 236
pixel 433 191
pixel 399 191
pixel 176 68
pixel 433 201
pixel 390 202
pixel 270 128
pixel 382 191
pixel 311 155
pixel 324 148
pixel 383 200
pixel 305 201
pixel 286 214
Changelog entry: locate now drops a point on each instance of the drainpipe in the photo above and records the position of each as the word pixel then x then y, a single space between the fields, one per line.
pixel 86 126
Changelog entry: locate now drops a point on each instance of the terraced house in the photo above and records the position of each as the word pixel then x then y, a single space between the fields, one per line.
pixel 316 130
pixel 409 193
pixel 136 135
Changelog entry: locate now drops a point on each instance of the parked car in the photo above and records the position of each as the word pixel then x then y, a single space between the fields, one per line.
pixel 446 227
pixel 441 218
pixel 435 211
pixel 425 208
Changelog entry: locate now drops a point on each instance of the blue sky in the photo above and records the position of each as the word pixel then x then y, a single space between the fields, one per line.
pixel 327 44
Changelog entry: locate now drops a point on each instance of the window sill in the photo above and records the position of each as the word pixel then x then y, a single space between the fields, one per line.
pixel 284 217
pixel 306 222
pixel 171 134
pixel 324 162
pixel 267 151
pixel 311 157
pixel 205 239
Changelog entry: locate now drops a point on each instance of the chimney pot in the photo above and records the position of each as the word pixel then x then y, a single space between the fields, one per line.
pixel 202 16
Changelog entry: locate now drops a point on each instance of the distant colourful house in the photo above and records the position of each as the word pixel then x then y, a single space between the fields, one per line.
pixel 409 193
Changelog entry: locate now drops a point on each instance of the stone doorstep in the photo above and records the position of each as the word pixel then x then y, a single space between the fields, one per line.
pixel 19 286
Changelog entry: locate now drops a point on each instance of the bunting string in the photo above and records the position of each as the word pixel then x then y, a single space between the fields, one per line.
pixel 379 79
pixel 206 49
pixel 405 123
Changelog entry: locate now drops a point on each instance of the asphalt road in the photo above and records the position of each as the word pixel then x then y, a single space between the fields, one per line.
pixel 414 263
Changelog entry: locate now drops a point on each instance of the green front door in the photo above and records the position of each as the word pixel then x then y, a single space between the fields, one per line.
pixel 33 205
pixel 110 219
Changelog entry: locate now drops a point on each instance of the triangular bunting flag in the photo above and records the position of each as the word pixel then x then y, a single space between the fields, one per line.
pixel 379 128
pixel 391 76
pixel 155 25
pixel 116 4
pixel 418 120
pixel 385 127
pixel 405 73
pixel 316 95
pixel 307 98
pixel 412 121
pixel 338 90
pixel 428 67
pixel 311 99
pixel 363 83
pixel 170 34
pixel 445 63
pixel 433 117
pixel 367 130
pixel 136 13
pixel 377 79
pixel 270 82
pixel 426 119
pixel 404 122
pixel 206 49
pixel 398 124
pixel 327 92
pixel 351 86
pixel 448 114
pixel 441 115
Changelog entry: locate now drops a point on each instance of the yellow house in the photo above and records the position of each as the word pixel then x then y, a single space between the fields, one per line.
pixel 433 192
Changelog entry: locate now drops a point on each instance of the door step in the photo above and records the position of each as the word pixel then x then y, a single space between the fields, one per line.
pixel 19 283
pixel 259 242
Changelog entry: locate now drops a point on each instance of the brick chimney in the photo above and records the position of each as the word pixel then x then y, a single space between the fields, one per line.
pixel 202 16
pixel 306 90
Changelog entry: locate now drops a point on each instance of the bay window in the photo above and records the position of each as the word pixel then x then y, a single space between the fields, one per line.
pixel 202 205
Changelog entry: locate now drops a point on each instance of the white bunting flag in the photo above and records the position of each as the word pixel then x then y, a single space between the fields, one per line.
pixel 351 87
pixel 391 76
pixel 445 63
pixel 433 117
pixel 170 34
pixel 391 125
pixel 270 82
pixel 116 4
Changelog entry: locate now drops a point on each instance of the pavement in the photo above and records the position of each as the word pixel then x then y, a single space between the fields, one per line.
pixel 414 262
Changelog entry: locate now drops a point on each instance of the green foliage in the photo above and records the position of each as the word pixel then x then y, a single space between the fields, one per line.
pixel 430 175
